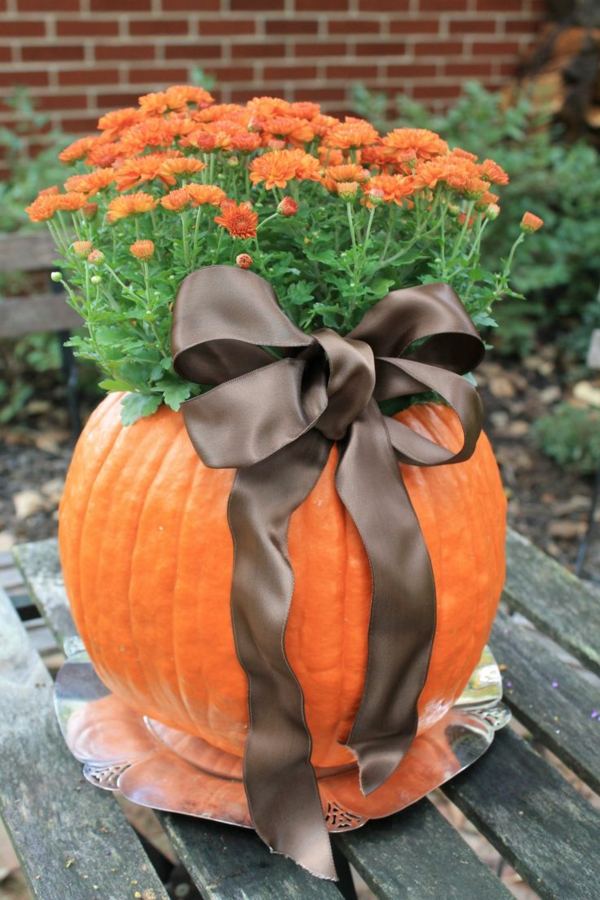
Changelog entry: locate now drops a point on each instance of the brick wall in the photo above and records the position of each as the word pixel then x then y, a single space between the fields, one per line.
pixel 82 57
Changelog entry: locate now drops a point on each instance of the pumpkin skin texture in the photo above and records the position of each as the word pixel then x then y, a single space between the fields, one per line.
pixel 147 559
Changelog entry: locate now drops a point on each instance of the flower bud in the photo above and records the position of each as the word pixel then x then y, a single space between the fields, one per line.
pixel 530 222
pixel 81 248
pixel 287 207
pixel 243 260
pixel 56 277
pixel 492 211
pixel 95 257
pixel 347 189
pixel 95 279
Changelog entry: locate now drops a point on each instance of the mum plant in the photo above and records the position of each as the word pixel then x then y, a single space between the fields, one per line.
pixel 332 213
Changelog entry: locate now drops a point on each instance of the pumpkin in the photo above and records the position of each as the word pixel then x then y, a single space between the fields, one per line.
pixel 147 559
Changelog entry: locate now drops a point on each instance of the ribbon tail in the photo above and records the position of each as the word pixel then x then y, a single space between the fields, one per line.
pixel 280 782
pixel 402 624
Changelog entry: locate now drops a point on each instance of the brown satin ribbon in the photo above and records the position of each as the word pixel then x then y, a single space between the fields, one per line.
pixel 274 419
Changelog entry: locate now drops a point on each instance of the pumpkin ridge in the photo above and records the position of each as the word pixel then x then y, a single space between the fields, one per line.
pixel 163 461
pixel 76 600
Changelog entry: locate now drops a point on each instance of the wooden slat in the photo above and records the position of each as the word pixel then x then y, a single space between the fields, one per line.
pixel 223 860
pixel 229 863
pixel 553 599
pixel 534 818
pixel 551 696
pixel 72 840
pixel 40 567
pixel 417 853
pixel 27 252
pixel 44 312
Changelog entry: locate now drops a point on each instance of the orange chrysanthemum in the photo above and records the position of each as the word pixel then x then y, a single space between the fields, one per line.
pixel 530 222
pixel 129 205
pixel 182 165
pixel 390 188
pixel 414 143
pixel 239 220
pixel 344 172
pixel 491 171
pixel 81 248
pixel 113 123
pixel 91 183
pixel 277 167
pixel 351 133
pixel 146 168
pixel 142 249
pixel 205 194
pixel 176 200
pixel 77 150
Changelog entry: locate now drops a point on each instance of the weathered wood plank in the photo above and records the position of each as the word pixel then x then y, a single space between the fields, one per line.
pixel 72 840
pixel 533 817
pixel 40 567
pixel 556 601
pixel 229 863
pixel 551 696
pixel 27 252
pixel 44 312
pixel 417 854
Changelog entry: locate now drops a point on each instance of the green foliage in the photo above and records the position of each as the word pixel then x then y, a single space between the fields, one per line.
pixel 37 353
pixel 559 272
pixel 27 174
pixel 570 435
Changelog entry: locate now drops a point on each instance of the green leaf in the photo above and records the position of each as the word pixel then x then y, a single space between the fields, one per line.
pixel 113 384
pixel 136 406
pixel 176 394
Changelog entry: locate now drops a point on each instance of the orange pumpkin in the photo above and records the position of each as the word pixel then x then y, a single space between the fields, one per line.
pixel 147 559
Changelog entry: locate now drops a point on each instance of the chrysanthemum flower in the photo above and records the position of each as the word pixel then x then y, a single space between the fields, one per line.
pixel 415 143
pixel 183 165
pixel 92 182
pixel 347 190
pixel 129 205
pixel 201 194
pixel 287 206
pixel 81 248
pixel 113 123
pixel 491 171
pixel 530 222
pixel 277 167
pixel 77 150
pixel 142 249
pixel 351 133
pixel 239 220
pixel 344 172
pixel 95 257
pixel 391 188
pixel 176 200
pixel 145 168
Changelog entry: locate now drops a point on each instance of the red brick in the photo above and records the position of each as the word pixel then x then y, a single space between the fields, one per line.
pixel 157 77
pixel 78 123
pixel 10 78
pixel 124 52
pixel 256 6
pixel 47 52
pixel 292 26
pixel 507 68
pixel 117 6
pixel 257 51
pixel 438 48
pixel 469 70
pixel 81 28
pixel 434 91
pixel 320 49
pixel 410 70
pixel 380 48
pixel 472 26
pixel 396 6
pixel 193 51
pixel 88 76
pixel 242 95
pixel 159 27
pixel 27 6
pixel 5 54
pixel 217 27
pixel 62 101
pixel 443 5
pixel 321 5
pixel 414 26
pixel 353 26
pixel 289 73
pixel 319 94
pixel 350 71
pixel 500 6
pixel 520 26
pixel 16 28
pixel 238 73
pixel 496 48
pixel 191 6
pixel 116 101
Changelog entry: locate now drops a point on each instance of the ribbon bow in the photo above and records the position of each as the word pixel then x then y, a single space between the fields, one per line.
pixel 274 415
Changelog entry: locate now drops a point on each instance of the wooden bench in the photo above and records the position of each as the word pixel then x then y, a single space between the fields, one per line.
pixel 45 311
pixel 74 841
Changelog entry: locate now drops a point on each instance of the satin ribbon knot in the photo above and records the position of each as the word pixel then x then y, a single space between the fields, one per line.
pixel 281 398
